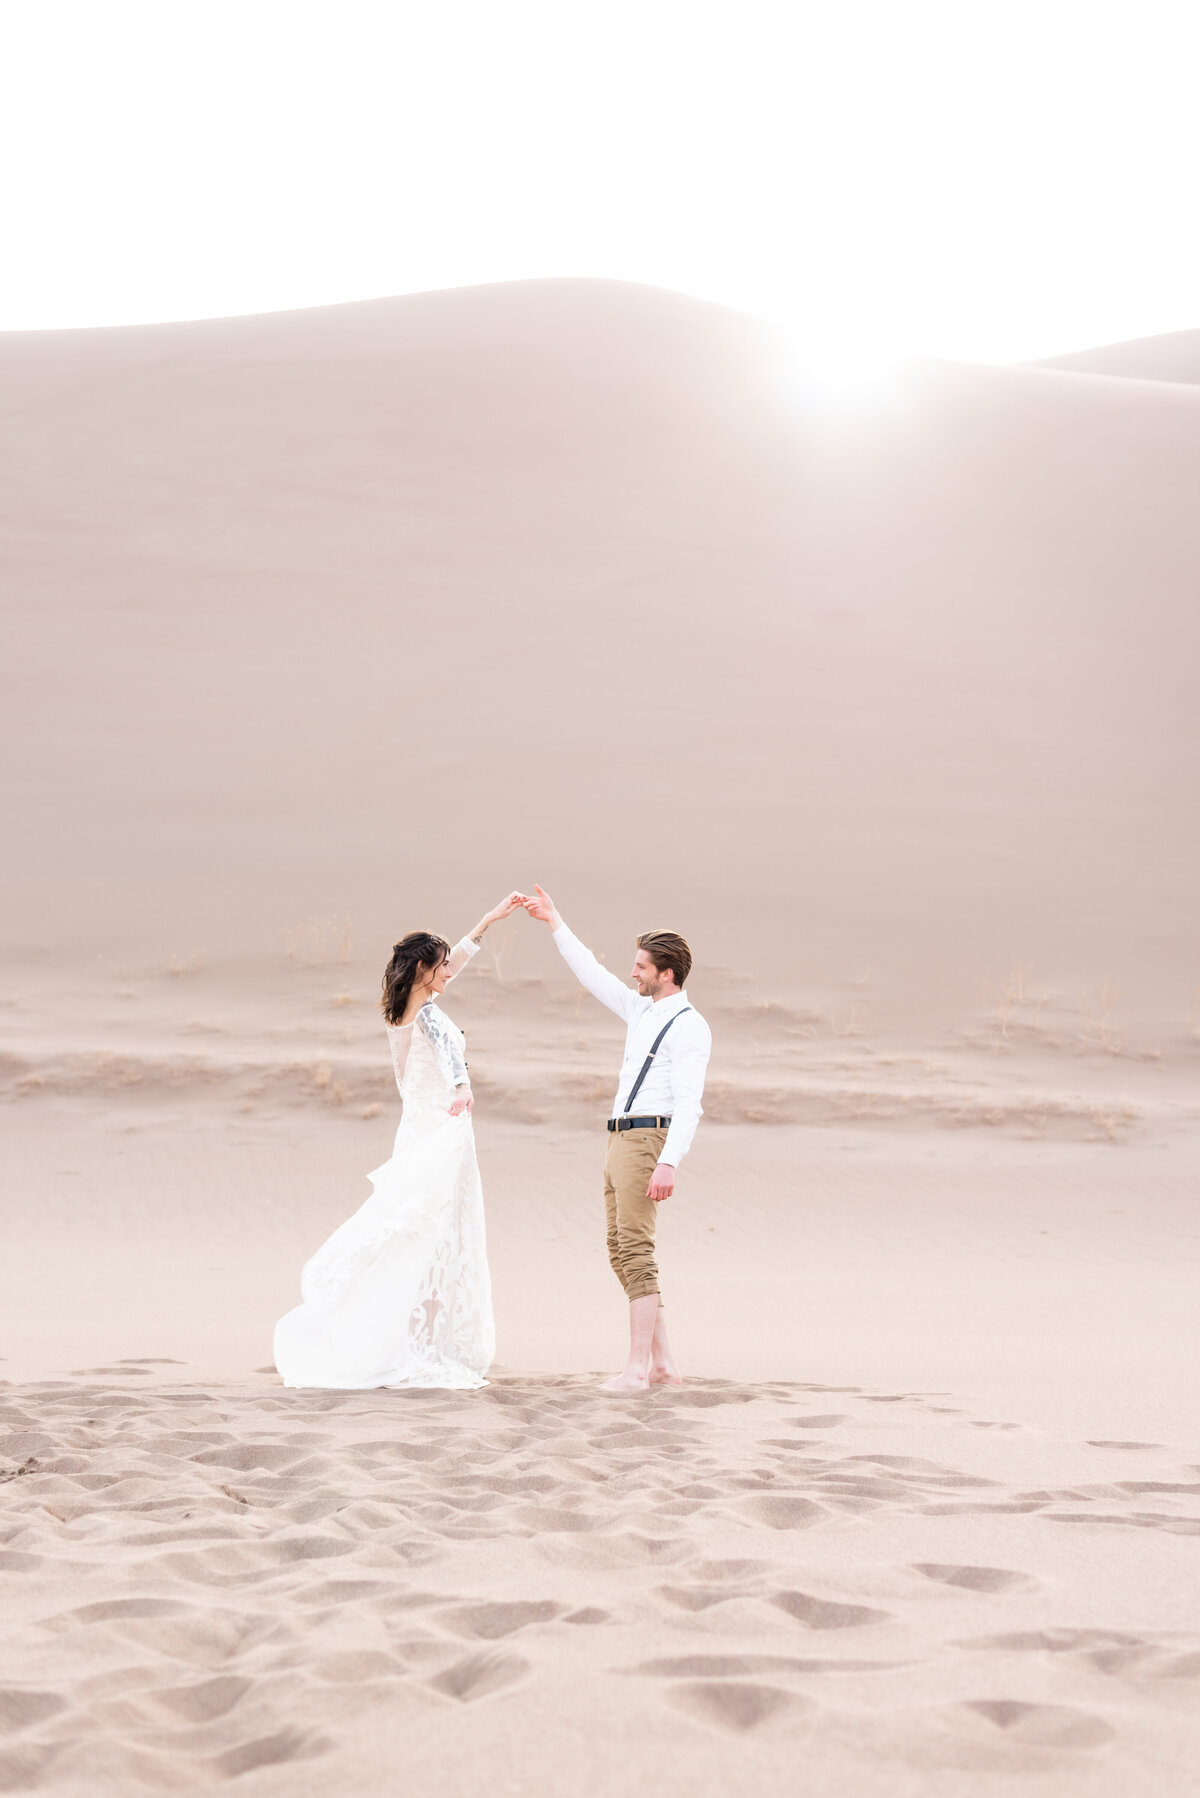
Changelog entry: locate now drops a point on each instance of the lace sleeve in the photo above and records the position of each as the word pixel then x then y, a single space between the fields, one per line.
pixel 446 1045
pixel 460 955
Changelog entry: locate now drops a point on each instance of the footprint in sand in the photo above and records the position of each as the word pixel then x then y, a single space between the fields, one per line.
pixel 989 1735
pixel 237 1564
pixel 21 1708
pixel 197 1636
pixel 480 1675
pixel 696 1598
pixel 823 1613
pixel 975 1579
pixel 1107 1650
pixel 785 1512
pixel 247 1457
pixel 269 1751
pixel 491 1622
pixel 735 1706
pixel 203 1702
pixel 1042 1725
pixel 732 1570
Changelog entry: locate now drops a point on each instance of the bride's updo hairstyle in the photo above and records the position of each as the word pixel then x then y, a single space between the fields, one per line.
pixel 419 949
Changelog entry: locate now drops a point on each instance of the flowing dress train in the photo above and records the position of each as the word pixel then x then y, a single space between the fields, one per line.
pixel 400 1294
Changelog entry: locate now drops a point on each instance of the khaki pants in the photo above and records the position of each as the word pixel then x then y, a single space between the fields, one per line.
pixel 631 1159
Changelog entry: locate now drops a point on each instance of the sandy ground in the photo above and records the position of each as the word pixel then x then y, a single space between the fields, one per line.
pixel 923 1520
pixel 720 1586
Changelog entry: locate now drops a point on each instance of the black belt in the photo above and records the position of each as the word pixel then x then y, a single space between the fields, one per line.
pixel 638 1123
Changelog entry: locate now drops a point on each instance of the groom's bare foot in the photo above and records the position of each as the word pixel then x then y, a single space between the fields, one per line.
pixel 629 1381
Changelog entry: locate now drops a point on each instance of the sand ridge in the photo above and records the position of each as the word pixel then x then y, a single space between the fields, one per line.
pixel 237 1583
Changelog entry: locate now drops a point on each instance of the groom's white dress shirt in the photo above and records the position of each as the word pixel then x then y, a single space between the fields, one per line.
pixel 675 1083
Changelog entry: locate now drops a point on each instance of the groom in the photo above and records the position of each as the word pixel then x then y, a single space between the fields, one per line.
pixel 654 1118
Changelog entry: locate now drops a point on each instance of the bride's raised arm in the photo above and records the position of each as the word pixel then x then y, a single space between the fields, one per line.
pixel 463 950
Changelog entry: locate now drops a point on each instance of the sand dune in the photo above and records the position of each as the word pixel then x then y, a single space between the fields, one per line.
pixel 356 614
pixel 1173 356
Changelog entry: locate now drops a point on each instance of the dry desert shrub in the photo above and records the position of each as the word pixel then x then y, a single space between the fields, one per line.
pixel 1018 1008
pixel 182 965
pixel 1098 1029
pixel 850 1026
pixel 779 1019
pixel 497 944
pixel 1020 1014
pixel 1113 1121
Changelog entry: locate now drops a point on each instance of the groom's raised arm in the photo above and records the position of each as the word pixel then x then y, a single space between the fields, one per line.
pixel 598 979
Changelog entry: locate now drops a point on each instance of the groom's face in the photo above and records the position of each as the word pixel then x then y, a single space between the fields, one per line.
pixel 650 982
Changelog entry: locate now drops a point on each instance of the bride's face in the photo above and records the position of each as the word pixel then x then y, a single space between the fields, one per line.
pixel 436 979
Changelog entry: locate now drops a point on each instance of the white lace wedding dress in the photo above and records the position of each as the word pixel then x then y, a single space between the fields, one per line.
pixel 400 1295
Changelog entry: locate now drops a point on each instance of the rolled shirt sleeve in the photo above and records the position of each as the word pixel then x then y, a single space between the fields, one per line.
pixel 688 1066
pixel 602 984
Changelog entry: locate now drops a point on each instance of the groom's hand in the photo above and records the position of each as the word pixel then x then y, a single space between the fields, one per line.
pixel 662 1183
pixel 542 907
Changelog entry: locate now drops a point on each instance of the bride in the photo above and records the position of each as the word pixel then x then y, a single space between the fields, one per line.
pixel 400 1294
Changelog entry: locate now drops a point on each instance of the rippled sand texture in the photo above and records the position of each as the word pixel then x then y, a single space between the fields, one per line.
pixel 536 1588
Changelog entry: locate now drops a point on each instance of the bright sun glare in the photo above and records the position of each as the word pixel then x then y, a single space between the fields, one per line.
pixel 843 377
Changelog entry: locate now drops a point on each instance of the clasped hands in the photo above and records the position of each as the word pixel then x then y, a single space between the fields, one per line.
pixel 538 904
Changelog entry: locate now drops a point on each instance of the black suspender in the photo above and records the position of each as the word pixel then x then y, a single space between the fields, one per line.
pixel 637 1085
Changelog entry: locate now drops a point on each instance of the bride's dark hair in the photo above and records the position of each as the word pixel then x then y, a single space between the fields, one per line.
pixel 419 949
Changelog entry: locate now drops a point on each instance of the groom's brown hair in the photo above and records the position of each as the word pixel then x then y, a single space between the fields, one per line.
pixel 666 950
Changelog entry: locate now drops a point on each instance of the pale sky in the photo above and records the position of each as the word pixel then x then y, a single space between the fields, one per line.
pixel 982 181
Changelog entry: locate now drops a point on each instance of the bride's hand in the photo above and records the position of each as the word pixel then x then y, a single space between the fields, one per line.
pixel 507 907
pixel 464 1102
